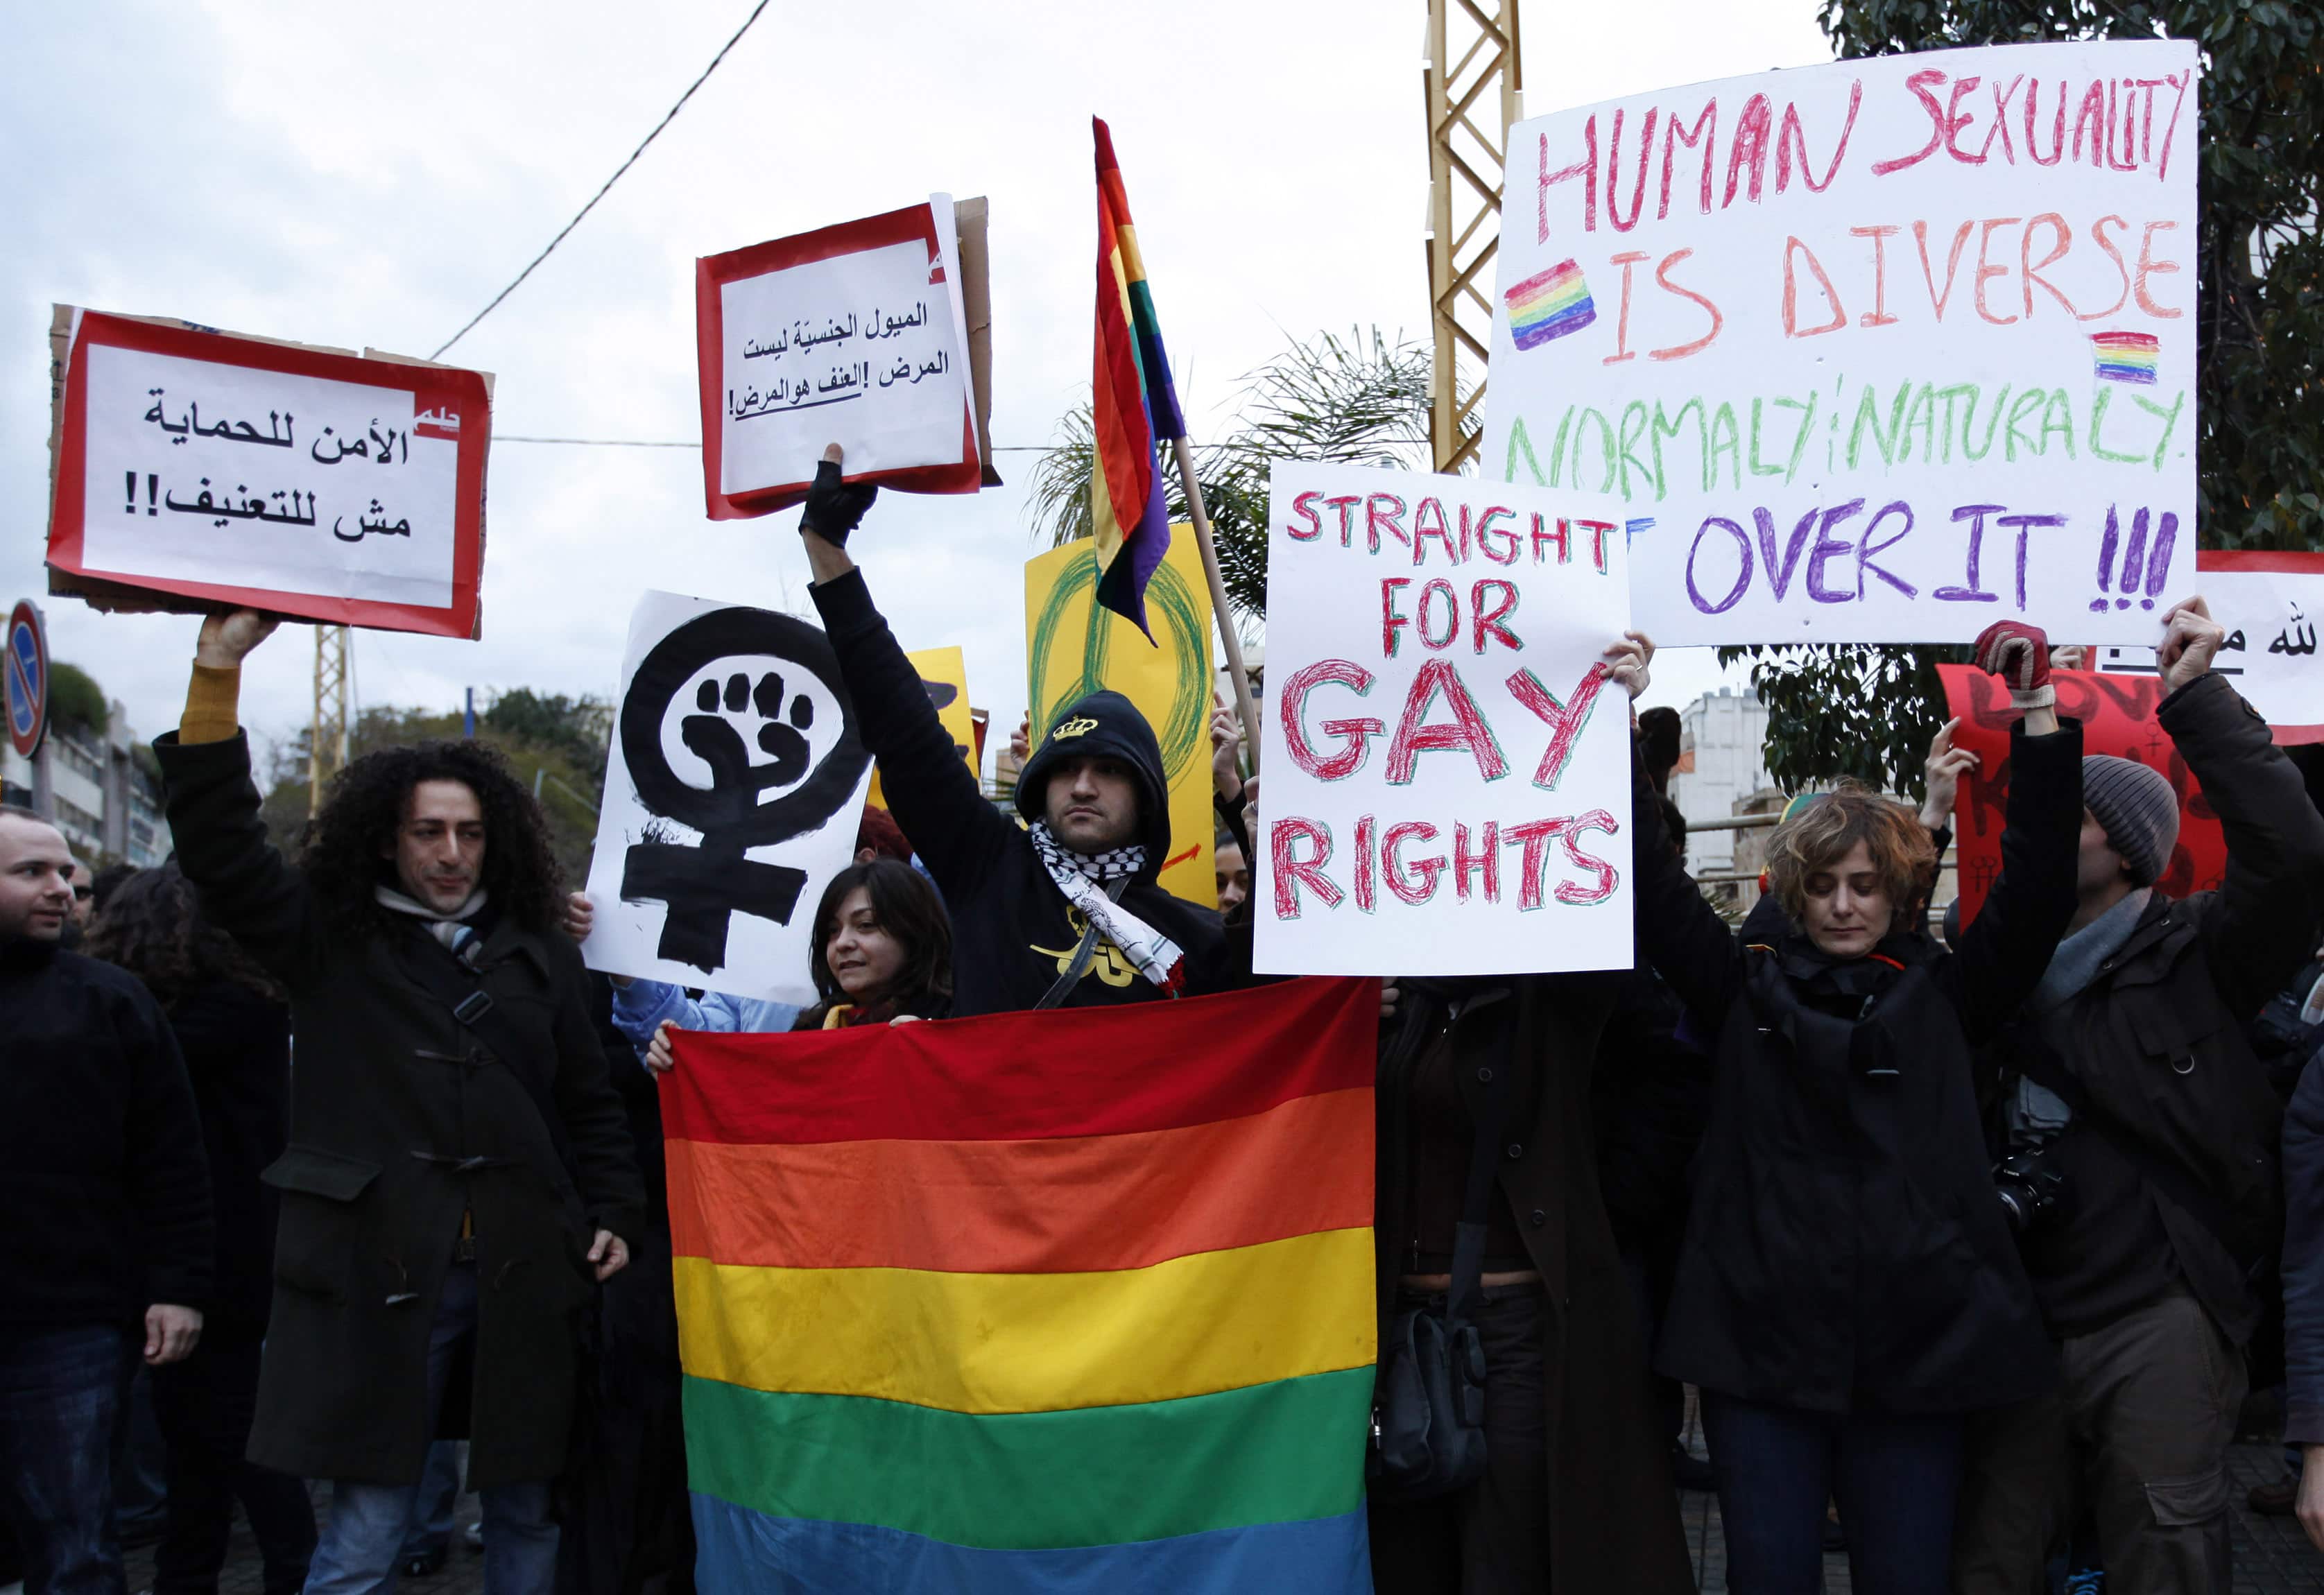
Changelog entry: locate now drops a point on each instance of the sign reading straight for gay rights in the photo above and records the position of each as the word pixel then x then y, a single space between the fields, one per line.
pixel 1881 351
pixel 1448 761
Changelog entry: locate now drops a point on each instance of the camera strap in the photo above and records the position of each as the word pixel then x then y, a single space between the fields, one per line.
pixel 2040 1064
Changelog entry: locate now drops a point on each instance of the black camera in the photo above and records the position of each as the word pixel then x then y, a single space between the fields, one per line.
pixel 2032 1189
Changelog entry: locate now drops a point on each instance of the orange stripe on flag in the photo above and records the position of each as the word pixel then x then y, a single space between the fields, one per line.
pixel 1063 1204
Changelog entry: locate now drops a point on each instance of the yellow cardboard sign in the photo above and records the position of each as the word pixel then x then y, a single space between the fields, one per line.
pixel 1072 647
pixel 944 673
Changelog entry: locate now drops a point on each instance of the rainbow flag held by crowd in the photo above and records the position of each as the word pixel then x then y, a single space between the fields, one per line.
pixel 1133 406
pixel 1077 1301
pixel 1549 305
pixel 2126 356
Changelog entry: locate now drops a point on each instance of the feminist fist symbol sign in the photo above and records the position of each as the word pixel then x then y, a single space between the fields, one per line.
pixel 769 661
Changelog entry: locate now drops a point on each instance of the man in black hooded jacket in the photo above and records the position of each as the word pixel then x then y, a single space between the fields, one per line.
pixel 1067 912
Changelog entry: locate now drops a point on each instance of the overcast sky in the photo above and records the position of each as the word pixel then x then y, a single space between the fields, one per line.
pixel 372 176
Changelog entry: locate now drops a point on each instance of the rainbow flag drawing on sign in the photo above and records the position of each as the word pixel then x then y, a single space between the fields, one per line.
pixel 1549 305
pixel 1064 1302
pixel 1133 405
pixel 2126 356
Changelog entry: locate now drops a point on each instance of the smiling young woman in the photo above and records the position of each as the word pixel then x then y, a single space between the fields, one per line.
pixel 882 949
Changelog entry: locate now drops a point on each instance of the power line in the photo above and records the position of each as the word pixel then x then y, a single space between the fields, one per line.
pixel 595 442
pixel 654 443
pixel 610 181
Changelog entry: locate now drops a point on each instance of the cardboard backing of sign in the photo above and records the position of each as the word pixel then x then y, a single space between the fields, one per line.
pixel 954 234
pixel 459 396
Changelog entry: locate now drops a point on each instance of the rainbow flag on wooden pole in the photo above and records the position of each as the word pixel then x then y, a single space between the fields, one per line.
pixel 1054 1302
pixel 1133 405
pixel 1133 410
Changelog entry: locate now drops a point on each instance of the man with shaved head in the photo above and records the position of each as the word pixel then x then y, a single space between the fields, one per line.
pixel 106 1251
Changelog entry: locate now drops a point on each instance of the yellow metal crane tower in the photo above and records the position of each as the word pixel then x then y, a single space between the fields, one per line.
pixel 1475 91
pixel 326 742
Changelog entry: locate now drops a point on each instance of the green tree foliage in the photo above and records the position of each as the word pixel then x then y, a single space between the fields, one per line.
pixel 2259 326
pixel 76 704
pixel 1361 400
pixel 561 741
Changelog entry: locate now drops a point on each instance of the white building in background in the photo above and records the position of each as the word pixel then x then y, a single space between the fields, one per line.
pixel 107 808
pixel 1722 760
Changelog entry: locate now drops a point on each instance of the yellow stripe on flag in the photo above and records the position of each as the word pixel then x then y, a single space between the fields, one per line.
pixel 1035 1342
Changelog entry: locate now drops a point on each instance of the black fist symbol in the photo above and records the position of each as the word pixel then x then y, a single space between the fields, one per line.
pixel 713 739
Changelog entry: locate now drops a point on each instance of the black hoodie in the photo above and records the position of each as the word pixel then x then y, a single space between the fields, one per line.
pixel 1012 931
pixel 104 1203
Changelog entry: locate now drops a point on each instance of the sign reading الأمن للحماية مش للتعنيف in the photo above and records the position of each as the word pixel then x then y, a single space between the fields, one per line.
pixel 308 481
pixel 1447 757
pixel 1881 351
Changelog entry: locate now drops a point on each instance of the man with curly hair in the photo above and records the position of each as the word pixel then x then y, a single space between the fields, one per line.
pixel 459 1175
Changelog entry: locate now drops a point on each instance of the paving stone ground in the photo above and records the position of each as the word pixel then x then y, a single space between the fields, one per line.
pixel 2273 1557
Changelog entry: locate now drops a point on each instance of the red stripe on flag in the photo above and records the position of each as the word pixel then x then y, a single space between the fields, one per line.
pixel 1016 1077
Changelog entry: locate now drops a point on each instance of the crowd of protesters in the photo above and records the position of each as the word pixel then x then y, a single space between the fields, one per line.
pixel 1966 1242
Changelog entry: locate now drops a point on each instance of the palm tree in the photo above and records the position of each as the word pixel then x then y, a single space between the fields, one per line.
pixel 1361 400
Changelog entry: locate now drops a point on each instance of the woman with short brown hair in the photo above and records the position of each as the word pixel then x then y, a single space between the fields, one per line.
pixel 1849 1289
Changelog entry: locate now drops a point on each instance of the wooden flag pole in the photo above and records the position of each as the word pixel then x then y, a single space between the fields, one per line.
pixel 1246 710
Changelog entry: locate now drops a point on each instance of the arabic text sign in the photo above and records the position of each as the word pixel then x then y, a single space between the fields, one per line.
pixel 2272 607
pixel 296 480
pixel 1881 351
pixel 854 335
pixel 1448 765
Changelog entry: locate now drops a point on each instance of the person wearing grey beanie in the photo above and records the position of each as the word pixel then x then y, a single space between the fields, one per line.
pixel 2137 808
pixel 2142 1168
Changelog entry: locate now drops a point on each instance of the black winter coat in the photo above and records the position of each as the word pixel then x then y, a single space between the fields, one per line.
pixel 1013 933
pixel 400 1120
pixel 237 1047
pixel 105 1206
pixel 1845 1250
pixel 2158 1041
pixel 1611 1512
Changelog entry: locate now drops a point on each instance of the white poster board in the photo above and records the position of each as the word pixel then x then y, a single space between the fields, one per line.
pixel 352 498
pixel 1447 766
pixel 1881 351
pixel 231 470
pixel 2275 621
pixel 733 791
pixel 856 334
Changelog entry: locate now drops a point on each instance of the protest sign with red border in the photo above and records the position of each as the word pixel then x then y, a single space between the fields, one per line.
pixel 734 489
pixel 414 561
pixel 2270 603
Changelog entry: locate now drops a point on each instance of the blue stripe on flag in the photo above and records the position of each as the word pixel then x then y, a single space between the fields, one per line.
pixel 740 1549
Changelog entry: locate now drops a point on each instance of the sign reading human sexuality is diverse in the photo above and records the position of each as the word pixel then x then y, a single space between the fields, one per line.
pixel 2117 716
pixel 1447 762
pixel 2271 605
pixel 1075 645
pixel 733 789
pixel 1881 351
pixel 194 468
pixel 1091 1298
pixel 859 335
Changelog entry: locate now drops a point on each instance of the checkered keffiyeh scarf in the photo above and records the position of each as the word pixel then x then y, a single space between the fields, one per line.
pixel 1083 877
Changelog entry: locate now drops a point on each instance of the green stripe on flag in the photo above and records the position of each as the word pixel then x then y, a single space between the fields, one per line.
pixel 1276 1452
